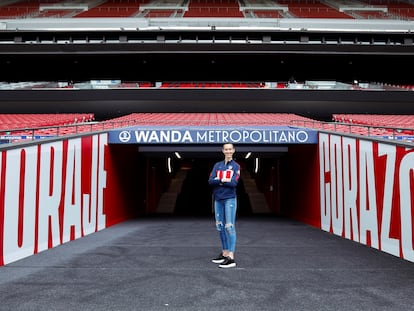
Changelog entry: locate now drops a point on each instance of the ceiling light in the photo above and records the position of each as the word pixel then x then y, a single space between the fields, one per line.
pixel 169 165
pixel 256 165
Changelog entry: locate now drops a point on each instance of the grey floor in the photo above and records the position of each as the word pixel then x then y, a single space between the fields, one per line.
pixel 164 264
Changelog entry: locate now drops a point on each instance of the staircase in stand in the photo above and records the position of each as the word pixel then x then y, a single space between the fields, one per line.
pixel 257 199
pixel 169 198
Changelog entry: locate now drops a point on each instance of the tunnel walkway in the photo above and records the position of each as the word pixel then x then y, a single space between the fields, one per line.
pixel 163 263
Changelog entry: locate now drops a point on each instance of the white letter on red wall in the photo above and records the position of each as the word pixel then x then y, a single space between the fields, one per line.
pixel 325 188
pixel 89 201
pixel 50 192
pixel 94 218
pixel 388 244
pixel 350 189
pixel 406 169
pixel 72 203
pixel 336 185
pixel 368 202
pixel 103 140
pixel 20 190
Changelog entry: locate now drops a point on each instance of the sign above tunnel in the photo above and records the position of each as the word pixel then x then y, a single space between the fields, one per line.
pixel 212 135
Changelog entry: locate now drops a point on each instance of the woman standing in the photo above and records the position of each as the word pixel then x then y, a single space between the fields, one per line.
pixel 224 178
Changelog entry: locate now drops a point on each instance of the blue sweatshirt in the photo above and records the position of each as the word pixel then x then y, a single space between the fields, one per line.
pixel 226 190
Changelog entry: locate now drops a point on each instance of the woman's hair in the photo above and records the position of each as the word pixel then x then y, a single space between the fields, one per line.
pixel 228 144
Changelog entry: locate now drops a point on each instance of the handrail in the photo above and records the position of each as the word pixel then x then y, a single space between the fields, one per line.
pixel 24 134
pixel 371 130
pixel 33 133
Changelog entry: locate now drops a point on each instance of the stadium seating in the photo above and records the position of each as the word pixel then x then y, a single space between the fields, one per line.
pixel 19 121
pixel 160 13
pixel 382 124
pixel 211 8
pixel 377 120
pixel 20 127
pixel 148 119
pixel 212 84
pixel 114 8
pixel 312 9
pixel 211 119
pixel 267 14
pixel 29 126
pixel 19 9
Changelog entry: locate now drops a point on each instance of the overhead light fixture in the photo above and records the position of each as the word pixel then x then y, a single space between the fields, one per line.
pixel 177 155
pixel 256 165
pixel 169 165
pixel 248 155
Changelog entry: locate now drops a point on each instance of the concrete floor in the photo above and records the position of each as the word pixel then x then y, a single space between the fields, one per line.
pixel 163 263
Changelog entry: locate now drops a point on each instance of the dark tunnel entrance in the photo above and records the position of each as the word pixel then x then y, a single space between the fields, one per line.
pixel 176 179
pixel 195 198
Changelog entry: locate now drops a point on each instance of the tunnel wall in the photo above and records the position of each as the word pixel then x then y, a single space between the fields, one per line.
pixel 366 191
pixel 358 189
pixel 300 184
pixel 55 192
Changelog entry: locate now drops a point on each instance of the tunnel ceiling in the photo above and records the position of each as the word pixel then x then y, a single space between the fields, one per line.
pixel 211 151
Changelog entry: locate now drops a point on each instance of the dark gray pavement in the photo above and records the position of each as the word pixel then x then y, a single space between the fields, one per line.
pixel 164 263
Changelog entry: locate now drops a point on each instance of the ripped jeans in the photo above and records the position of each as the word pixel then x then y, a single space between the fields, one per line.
pixel 225 212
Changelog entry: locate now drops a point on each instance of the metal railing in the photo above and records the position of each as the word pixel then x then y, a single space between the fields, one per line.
pixel 390 132
pixel 35 133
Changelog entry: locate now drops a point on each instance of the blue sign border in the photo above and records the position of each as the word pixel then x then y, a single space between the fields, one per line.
pixel 212 135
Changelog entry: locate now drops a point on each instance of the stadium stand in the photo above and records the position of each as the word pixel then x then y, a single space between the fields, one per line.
pixel 118 84
pixel 376 119
pixel 384 125
pixel 312 9
pixel 308 9
pixel 267 14
pixel 223 84
pixel 29 126
pixel 113 8
pixel 358 9
pixel 213 8
pixel 188 119
pixel 20 127
pixel 18 121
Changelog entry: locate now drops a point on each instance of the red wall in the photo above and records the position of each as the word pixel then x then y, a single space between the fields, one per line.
pixel 300 184
pixel 366 191
pixel 123 194
pixel 54 192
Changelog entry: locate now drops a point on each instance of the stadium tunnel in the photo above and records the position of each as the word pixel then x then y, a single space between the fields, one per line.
pixel 68 188
pixel 172 178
